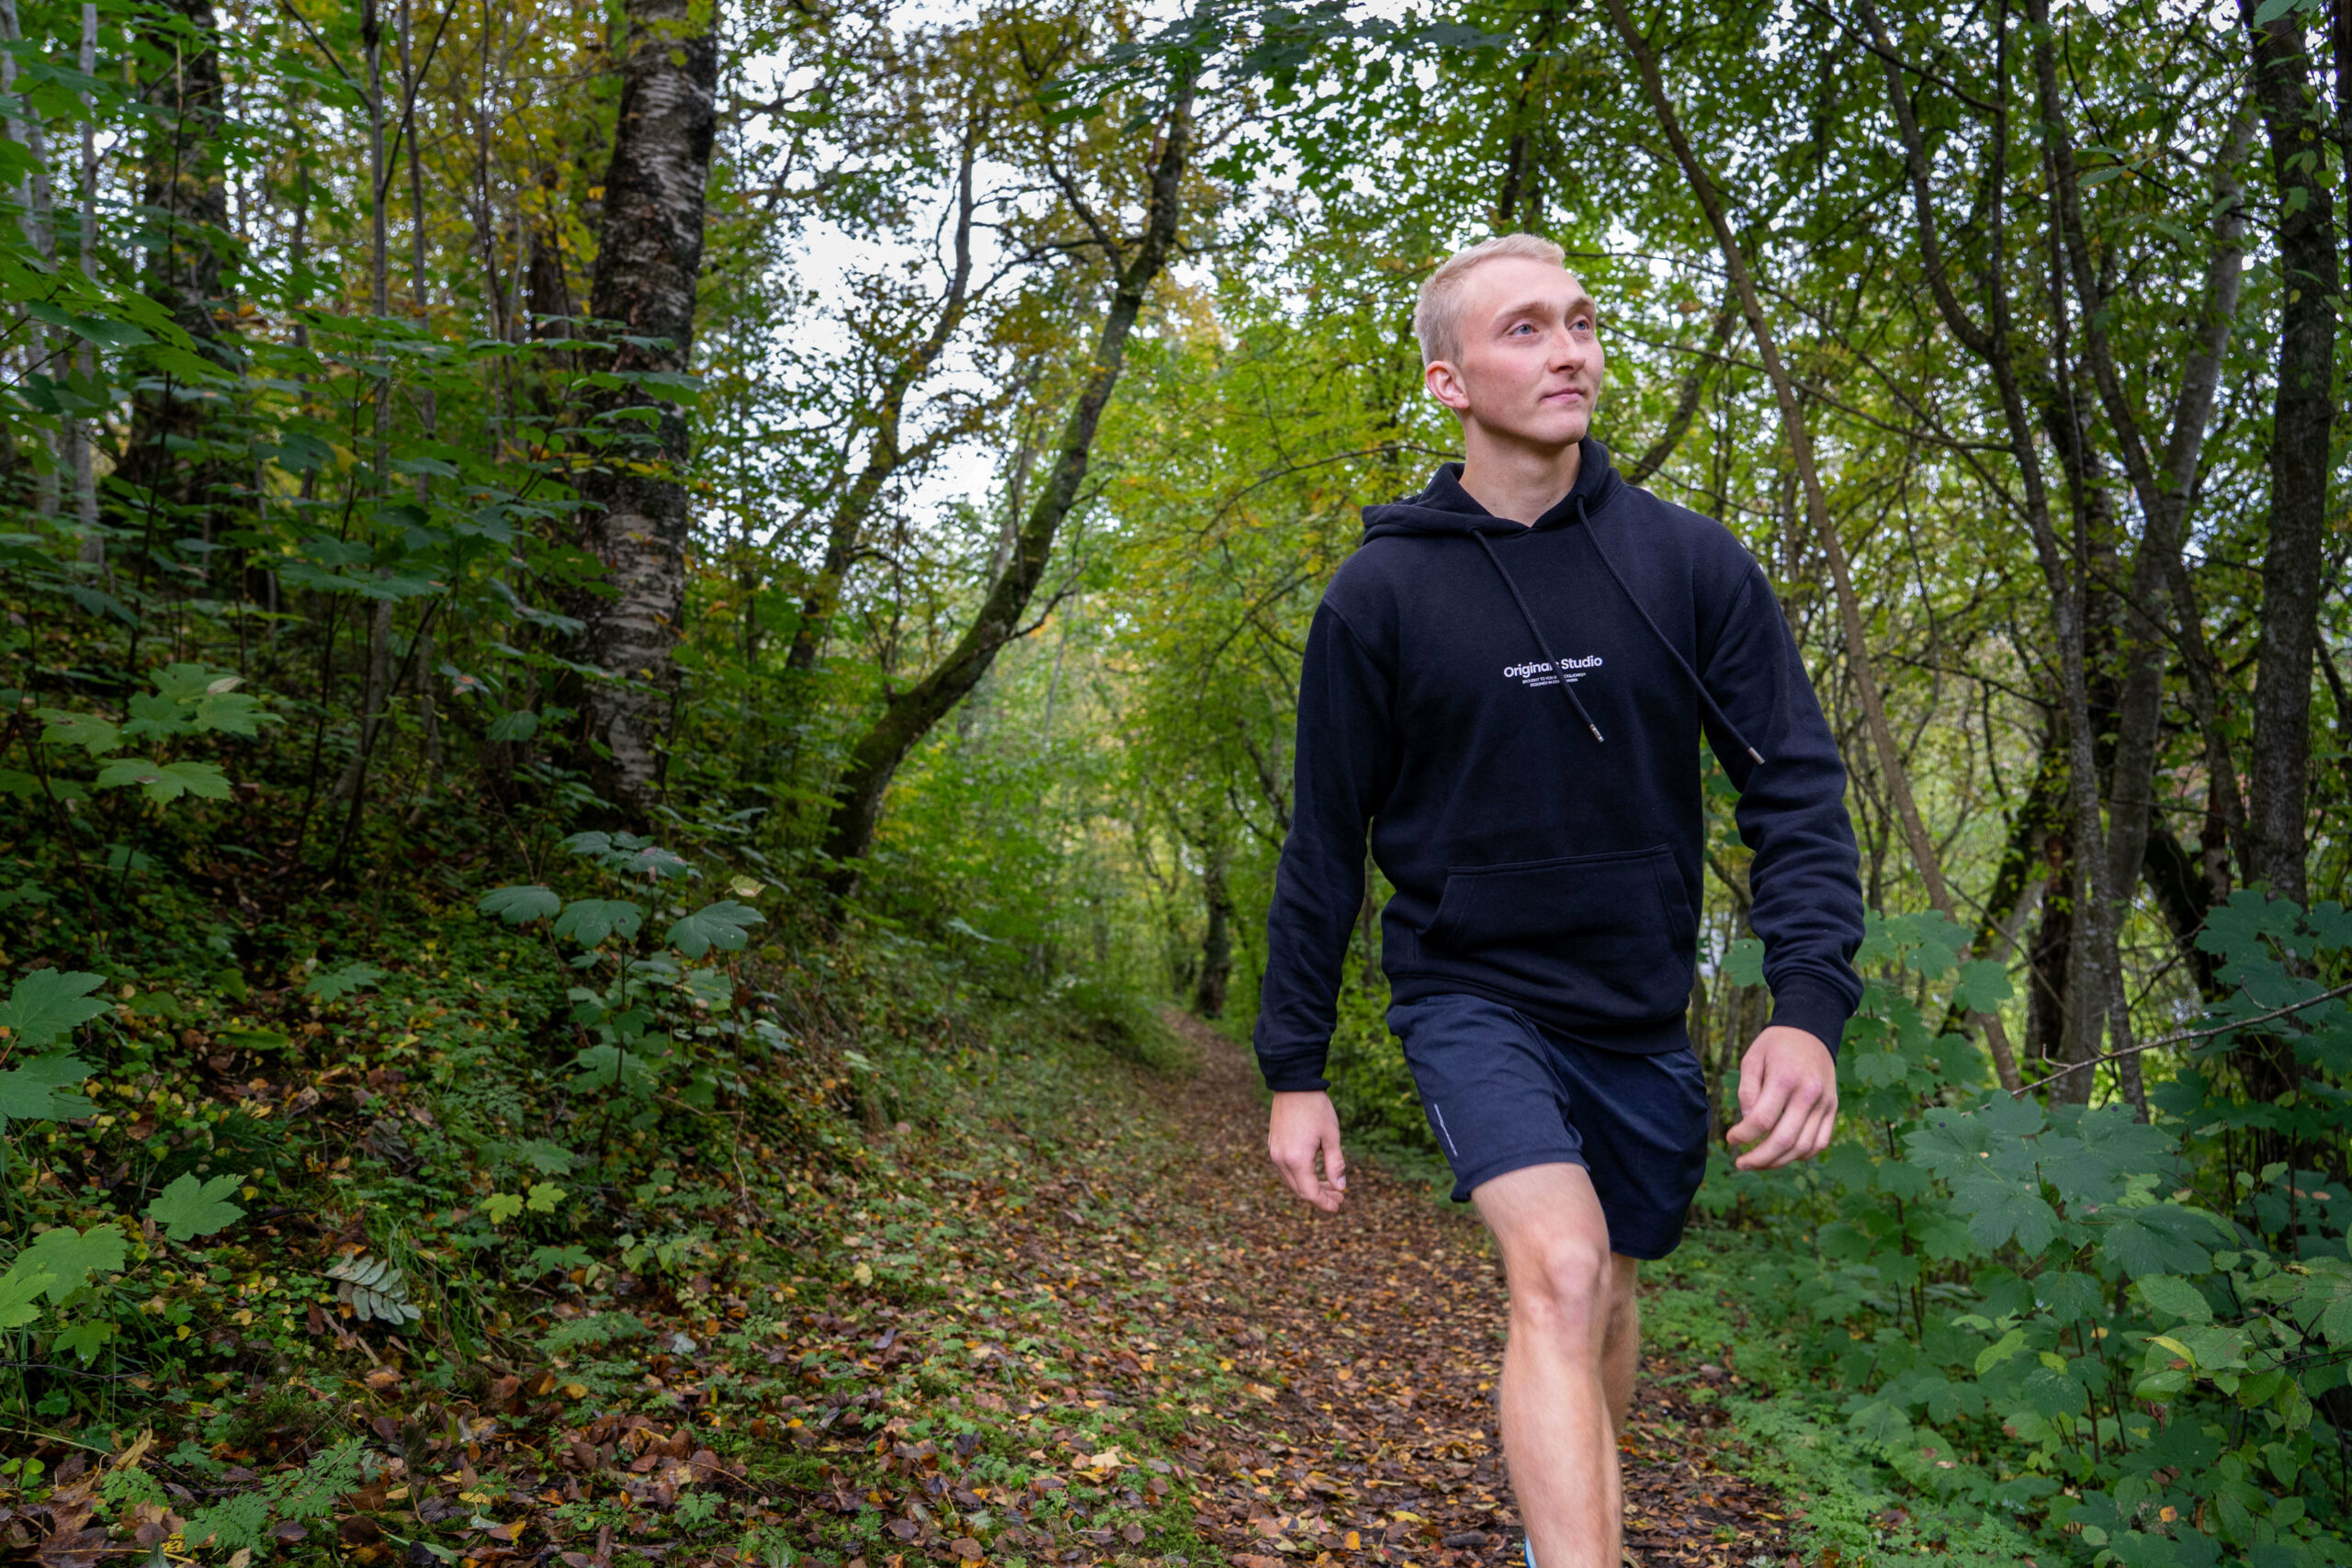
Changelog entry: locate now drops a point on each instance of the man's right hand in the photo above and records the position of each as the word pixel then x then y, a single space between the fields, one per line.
pixel 1303 1123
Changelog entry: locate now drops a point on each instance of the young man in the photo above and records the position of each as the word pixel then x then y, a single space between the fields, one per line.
pixel 1509 683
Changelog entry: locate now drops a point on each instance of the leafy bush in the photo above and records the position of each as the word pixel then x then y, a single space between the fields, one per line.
pixel 2107 1331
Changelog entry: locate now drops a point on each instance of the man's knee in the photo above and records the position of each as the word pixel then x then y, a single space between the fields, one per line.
pixel 1565 1284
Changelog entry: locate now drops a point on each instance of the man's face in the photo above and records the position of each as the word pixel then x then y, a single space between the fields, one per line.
pixel 1531 361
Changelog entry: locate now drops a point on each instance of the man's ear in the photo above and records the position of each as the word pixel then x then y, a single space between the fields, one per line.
pixel 1444 380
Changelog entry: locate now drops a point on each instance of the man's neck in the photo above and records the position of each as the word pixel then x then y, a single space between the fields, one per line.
pixel 1518 482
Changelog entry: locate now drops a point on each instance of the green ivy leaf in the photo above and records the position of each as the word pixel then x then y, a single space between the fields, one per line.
pixel 723 924
pixel 519 906
pixel 189 1209
pixel 48 1003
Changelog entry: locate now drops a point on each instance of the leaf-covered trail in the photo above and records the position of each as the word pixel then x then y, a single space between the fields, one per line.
pixel 1379 1331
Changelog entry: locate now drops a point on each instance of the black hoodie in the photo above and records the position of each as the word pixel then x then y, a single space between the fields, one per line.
pixel 1516 713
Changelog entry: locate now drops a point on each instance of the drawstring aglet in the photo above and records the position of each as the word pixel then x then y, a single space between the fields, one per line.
pixel 1596 731
pixel 1757 755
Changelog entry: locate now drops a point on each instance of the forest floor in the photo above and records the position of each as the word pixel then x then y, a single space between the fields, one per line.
pixel 1067 1315
pixel 1383 1327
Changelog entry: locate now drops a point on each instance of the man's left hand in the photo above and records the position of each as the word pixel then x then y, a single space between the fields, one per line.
pixel 1788 1098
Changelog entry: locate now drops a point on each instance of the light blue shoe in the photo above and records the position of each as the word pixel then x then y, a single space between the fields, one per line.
pixel 1527 1549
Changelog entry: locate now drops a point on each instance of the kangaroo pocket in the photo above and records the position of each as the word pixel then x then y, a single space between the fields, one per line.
pixel 1610 937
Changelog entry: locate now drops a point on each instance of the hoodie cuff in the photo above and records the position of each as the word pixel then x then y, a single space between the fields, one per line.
pixel 1292 1077
pixel 1818 1011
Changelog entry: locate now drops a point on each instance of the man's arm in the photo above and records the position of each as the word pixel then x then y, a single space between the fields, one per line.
pixel 1807 891
pixel 1343 764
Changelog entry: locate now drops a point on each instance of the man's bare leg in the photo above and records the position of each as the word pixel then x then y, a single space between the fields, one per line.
pixel 1568 1367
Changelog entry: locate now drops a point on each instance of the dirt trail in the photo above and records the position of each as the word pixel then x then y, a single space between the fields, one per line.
pixel 1381 1329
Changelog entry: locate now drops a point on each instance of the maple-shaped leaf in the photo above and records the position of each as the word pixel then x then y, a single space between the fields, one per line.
pixel 21 1288
pixel 35 1092
pixel 189 1209
pixel 69 1255
pixel 95 735
pixel 589 921
pixel 722 924
pixel 519 906
pixel 47 1003
pixel 334 985
pixel 164 783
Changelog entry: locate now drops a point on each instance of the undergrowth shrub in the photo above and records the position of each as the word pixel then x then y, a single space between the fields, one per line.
pixel 2126 1338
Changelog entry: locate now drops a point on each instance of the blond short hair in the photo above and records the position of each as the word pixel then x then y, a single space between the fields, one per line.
pixel 1437 315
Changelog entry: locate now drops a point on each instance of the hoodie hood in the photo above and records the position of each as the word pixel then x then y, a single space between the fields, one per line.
pixel 1444 507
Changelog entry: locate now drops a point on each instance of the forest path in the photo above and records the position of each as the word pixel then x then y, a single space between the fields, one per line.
pixel 1381 1328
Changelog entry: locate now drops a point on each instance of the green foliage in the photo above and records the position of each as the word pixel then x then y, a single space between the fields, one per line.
pixel 375 1289
pixel 243 1522
pixel 2134 1337
pixel 48 1003
pixel 334 985
pixel 188 1208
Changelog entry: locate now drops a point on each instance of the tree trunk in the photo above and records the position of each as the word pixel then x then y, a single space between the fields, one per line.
pixel 2303 424
pixel 909 714
pixel 847 531
pixel 2050 972
pixel 1217 941
pixel 649 259
pixel 1894 775
pixel 165 467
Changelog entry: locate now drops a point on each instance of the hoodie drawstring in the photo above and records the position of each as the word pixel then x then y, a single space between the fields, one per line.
pixel 1706 698
pixel 1567 687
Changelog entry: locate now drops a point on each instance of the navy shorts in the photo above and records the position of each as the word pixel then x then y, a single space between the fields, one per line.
pixel 1502 1092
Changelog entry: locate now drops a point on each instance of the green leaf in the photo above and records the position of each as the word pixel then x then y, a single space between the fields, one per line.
pixel 85 1339
pixel 69 1255
pixel 723 924
pixel 1743 961
pixel 189 1209
pixel 21 1288
pixel 589 921
pixel 2174 1297
pixel 1983 985
pixel 502 1206
pixel 166 782
pixel 32 1093
pixel 334 985
pixel 519 906
pixel 518 725
pixel 48 1003
pixel 2000 1350
pixel 546 1196
pixel 95 735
